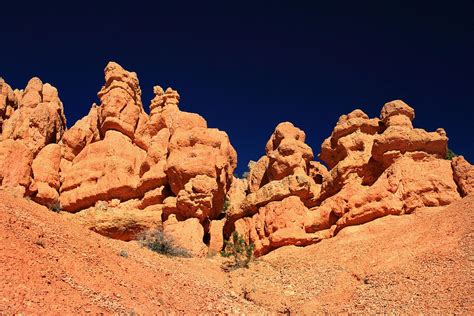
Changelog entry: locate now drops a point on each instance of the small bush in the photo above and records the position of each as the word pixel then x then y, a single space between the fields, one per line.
pixel 123 253
pixel 225 206
pixel 101 206
pixel 237 248
pixel 55 207
pixel 156 240
pixel 450 154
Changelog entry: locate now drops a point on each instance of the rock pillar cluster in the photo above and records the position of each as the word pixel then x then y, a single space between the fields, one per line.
pixel 120 170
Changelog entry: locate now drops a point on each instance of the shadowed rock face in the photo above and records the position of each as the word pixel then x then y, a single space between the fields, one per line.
pixel 120 171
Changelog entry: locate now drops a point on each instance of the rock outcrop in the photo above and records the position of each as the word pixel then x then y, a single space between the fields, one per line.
pixel 143 167
pixel 463 175
pixel 377 167
pixel 30 119
pixel 282 187
pixel 120 171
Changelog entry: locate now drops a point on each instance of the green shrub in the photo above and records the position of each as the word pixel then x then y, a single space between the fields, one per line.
pixel 123 253
pixel 102 206
pixel 55 207
pixel 450 154
pixel 156 240
pixel 225 206
pixel 237 248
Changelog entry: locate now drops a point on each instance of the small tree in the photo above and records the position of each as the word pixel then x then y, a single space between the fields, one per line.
pixel 450 154
pixel 237 248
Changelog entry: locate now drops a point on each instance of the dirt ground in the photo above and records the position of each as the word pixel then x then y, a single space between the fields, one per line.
pixel 418 263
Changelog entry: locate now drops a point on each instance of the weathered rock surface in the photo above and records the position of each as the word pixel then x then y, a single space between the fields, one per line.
pixel 463 175
pixel 118 221
pixel 186 234
pixel 39 119
pixel 15 166
pixel 82 133
pixel 216 233
pixel 30 119
pixel 104 170
pixel 286 170
pixel 120 98
pixel 120 171
pixel 278 224
pixel 205 153
pixel 377 167
pixel 8 102
pixel 410 183
pixel 45 169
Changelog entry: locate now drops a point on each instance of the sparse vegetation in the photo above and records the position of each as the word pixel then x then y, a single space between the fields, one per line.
pixel 55 207
pixel 123 253
pixel 156 240
pixel 101 206
pixel 237 248
pixel 450 154
pixel 225 206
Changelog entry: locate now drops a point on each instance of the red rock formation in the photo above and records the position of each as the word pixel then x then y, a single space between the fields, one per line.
pixel 284 178
pixel 120 171
pixel 168 159
pixel 277 224
pixel 377 167
pixel 15 166
pixel 463 175
pixel 186 234
pixel 39 119
pixel 120 97
pixel 8 102
pixel 30 119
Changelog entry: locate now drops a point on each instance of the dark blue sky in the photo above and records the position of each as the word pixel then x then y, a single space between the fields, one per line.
pixel 247 67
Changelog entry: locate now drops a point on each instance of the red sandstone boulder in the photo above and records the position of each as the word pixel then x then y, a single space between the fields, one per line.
pixel 84 132
pixel 412 182
pixel 216 233
pixel 257 177
pixel 8 102
pixel 118 220
pixel 201 152
pixel 463 175
pixel 103 170
pixel 400 137
pixel 290 156
pixel 196 199
pixel 120 98
pixel 39 120
pixel 165 114
pixel 277 224
pixel 15 166
pixel 186 234
pixel 45 169
pixel 337 147
pixel 284 130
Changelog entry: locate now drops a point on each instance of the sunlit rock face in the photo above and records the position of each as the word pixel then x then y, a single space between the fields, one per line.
pixel 120 170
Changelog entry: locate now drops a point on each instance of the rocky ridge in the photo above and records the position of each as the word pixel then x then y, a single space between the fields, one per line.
pixel 120 171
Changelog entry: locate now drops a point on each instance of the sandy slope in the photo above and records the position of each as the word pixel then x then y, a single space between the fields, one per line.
pixel 417 263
